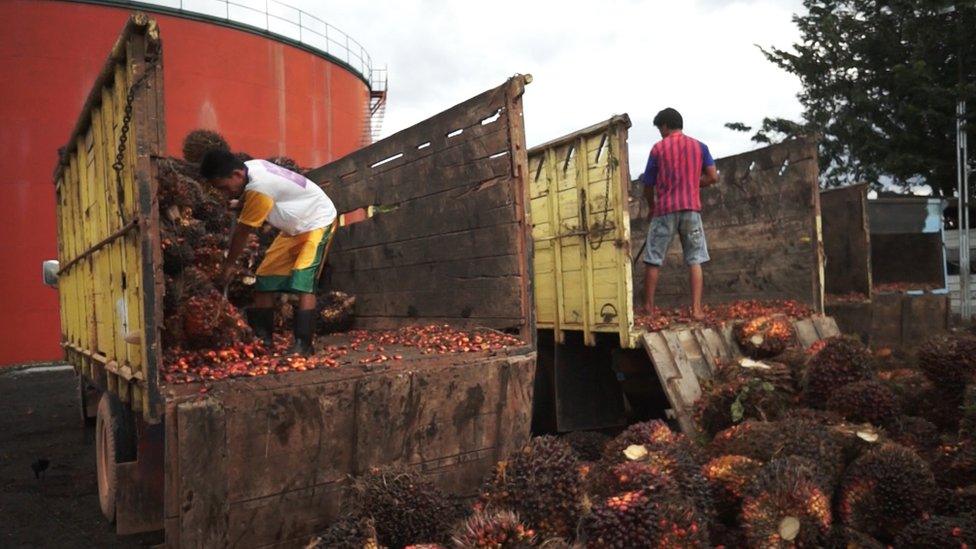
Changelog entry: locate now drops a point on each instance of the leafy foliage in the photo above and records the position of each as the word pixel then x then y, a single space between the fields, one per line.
pixel 881 79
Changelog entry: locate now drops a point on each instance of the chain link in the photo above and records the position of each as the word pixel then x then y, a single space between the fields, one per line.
pixel 611 164
pixel 119 164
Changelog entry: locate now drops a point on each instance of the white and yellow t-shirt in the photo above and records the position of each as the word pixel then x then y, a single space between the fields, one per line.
pixel 288 201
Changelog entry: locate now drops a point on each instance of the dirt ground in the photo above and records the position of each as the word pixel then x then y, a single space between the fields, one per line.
pixel 39 419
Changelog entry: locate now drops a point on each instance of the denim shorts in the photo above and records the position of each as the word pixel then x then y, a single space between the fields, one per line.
pixel 688 224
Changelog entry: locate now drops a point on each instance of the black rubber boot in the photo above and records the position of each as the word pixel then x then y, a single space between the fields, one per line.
pixel 261 320
pixel 304 325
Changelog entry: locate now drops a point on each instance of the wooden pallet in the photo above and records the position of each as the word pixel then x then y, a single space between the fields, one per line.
pixel 685 356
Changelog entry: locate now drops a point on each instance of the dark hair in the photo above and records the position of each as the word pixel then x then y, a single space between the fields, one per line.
pixel 219 163
pixel 670 118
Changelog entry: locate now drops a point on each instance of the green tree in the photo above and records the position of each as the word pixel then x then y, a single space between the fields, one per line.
pixel 881 79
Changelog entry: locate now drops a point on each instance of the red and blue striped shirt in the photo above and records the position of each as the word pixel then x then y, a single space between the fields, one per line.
pixel 674 169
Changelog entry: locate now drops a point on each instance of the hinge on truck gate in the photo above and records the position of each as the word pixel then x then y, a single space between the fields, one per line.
pixel 119 165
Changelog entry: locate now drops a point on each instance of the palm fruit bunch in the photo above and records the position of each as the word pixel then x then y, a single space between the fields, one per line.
pixel 787 505
pixel 939 532
pixel 542 483
pixel 955 463
pixel 842 537
pixel 796 359
pixel 209 320
pixel 215 216
pixel 943 407
pixel 857 438
pixel 405 506
pixel 351 531
pixel 198 142
pixel 949 360
pixel 748 396
pixel 765 441
pixel 842 360
pixel 916 433
pixel 335 312
pixel 955 501
pixel 728 476
pixel 823 417
pixel 744 439
pixel 884 489
pixel 639 519
pixel 588 445
pixel 865 402
pixel 493 530
pixel 287 163
pixel 654 434
pixel 967 423
pixel 764 336
pixel 646 475
pixel 911 386
pixel 177 254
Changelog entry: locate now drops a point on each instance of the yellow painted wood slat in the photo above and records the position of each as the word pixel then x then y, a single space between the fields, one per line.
pixel 115 250
pixel 583 184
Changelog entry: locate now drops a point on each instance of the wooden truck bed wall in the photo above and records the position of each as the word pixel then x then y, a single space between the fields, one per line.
pixel 762 223
pixel 446 239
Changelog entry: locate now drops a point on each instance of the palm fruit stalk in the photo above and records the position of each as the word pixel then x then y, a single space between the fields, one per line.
pixel 787 505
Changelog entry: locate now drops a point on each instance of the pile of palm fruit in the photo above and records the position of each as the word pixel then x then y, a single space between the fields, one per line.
pixel 831 446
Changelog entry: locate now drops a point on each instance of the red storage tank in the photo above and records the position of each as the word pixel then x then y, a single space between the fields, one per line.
pixel 266 94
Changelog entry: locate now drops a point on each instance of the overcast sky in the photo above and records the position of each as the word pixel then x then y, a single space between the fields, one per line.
pixel 589 60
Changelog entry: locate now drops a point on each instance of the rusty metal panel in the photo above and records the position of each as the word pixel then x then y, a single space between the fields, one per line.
pixel 110 282
pixel 581 231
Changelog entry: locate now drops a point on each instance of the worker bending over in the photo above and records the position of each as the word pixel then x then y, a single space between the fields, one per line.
pixel 306 219
pixel 677 168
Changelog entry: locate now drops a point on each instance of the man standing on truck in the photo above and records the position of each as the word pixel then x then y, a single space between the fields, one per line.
pixel 677 168
pixel 307 220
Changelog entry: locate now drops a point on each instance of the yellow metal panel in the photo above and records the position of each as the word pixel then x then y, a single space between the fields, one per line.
pixel 103 228
pixel 583 277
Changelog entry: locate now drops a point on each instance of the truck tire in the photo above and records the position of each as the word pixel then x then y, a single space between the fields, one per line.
pixel 114 444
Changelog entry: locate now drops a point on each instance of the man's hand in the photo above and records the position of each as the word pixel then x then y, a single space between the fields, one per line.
pixel 709 177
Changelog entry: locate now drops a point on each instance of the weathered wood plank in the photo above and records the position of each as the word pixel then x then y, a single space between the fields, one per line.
pixel 447 212
pixel 279 435
pixel 496 298
pixel 481 242
pixel 203 473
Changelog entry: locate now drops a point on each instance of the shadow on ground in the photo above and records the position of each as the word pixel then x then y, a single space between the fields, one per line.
pixel 39 419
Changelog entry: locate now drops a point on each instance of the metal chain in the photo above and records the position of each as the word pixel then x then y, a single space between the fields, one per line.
pixel 119 164
pixel 606 194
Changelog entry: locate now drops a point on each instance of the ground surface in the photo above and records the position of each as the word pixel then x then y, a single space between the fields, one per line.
pixel 39 419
